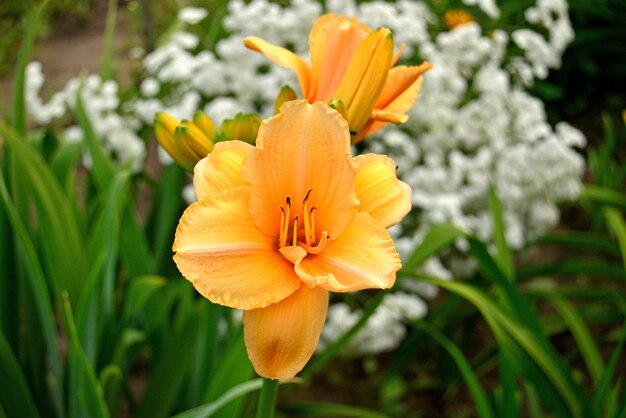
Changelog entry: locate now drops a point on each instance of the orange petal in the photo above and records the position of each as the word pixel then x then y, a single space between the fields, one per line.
pixel 363 257
pixel 386 116
pixel 284 58
pixel 401 84
pixel 332 42
pixel 282 337
pixel 398 96
pixel 221 169
pixel 382 195
pixel 227 259
pixel 365 77
pixel 304 150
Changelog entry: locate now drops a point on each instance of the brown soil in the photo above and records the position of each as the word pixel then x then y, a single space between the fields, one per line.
pixel 73 47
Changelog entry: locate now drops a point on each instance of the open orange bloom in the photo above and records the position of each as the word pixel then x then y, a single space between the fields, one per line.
pixel 351 64
pixel 279 225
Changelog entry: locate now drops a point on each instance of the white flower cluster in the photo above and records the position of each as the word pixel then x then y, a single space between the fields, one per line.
pixel 542 54
pixel 382 332
pixel 101 102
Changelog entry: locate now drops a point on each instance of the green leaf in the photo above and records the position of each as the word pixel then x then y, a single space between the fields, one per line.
pixel 617 224
pixel 510 331
pixel 581 240
pixel 516 301
pixel 64 161
pixel 33 26
pixel 15 397
pixel 233 368
pixel 205 351
pixel 603 386
pixel 95 307
pixel 207 410
pixel 103 168
pixel 603 195
pixel 439 237
pixel 165 212
pixel 108 58
pixel 139 291
pixel 473 384
pixel 169 370
pixel 37 283
pixel 66 260
pixel 583 338
pixel 574 267
pixel 134 247
pixel 504 259
pixel 85 391
pixel 42 304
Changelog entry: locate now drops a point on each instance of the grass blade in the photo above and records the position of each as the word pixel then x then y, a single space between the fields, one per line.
pixel 603 386
pixel 504 259
pixel 42 304
pixel 544 356
pixel 438 238
pixel 583 338
pixel 581 240
pixel 603 195
pixel 65 262
pixel 108 59
pixel 15 397
pixel 169 372
pixel 103 168
pixel 478 393
pixel 207 410
pixel 233 368
pixel 617 224
pixel 33 25
pixel 86 388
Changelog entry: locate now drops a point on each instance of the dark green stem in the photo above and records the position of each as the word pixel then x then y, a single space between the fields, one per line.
pixel 267 400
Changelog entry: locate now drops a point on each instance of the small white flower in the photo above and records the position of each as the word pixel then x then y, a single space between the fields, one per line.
pixel 192 15
pixel 150 87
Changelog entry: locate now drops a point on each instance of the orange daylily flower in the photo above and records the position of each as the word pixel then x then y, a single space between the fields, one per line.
pixel 454 18
pixel 280 224
pixel 351 64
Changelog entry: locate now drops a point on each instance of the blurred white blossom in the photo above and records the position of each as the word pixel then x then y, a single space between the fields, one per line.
pixel 192 15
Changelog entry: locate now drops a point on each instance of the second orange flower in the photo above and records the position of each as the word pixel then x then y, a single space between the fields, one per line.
pixel 351 67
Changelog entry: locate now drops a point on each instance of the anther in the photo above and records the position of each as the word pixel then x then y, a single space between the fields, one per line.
pixel 307 196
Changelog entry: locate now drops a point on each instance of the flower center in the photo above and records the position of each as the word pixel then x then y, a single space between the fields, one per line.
pixel 301 230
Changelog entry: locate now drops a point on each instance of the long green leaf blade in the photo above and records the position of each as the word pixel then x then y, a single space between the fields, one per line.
pixel 473 384
pixel 15 398
pixel 33 25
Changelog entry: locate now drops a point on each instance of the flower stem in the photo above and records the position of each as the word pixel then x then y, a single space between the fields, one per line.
pixel 267 400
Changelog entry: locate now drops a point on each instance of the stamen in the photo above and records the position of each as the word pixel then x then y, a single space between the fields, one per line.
pixel 309 233
pixel 295 231
pixel 312 222
pixel 282 238
pixel 307 226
